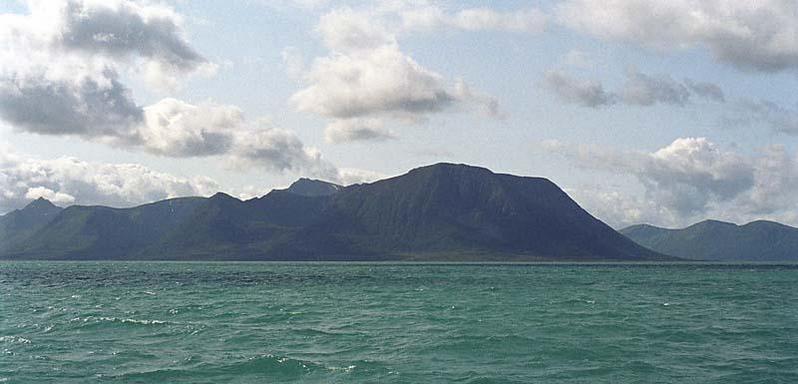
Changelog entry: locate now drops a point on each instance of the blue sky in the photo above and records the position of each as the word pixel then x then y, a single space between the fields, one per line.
pixel 644 111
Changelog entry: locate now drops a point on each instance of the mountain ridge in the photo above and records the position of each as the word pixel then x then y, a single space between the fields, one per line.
pixel 714 240
pixel 443 211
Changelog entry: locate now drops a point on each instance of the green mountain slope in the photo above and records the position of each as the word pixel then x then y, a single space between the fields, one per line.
pixel 720 241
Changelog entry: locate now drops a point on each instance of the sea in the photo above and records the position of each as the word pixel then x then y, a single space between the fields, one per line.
pixel 162 322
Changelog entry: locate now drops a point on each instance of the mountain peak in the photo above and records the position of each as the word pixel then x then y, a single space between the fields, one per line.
pixel 451 167
pixel 222 196
pixel 312 187
pixel 714 223
pixel 41 205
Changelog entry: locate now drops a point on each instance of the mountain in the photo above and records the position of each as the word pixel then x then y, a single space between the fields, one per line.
pixel 310 187
pixel 719 241
pixel 439 212
pixel 18 225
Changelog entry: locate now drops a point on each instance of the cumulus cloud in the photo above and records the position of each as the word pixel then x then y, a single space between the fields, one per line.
pixel 68 180
pixel 60 64
pixel 693 178
pixel 759 35
pixel 88 105
pixel 59 75
pixel 367 77
pixel 639 89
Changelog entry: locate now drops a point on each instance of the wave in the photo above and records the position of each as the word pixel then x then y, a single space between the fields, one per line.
pixel 120 320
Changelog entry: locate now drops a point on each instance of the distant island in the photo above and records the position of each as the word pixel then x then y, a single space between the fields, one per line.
pixel 713 240
pixel 442 212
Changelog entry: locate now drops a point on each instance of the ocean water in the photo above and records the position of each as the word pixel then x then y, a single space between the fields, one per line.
pixel 377 323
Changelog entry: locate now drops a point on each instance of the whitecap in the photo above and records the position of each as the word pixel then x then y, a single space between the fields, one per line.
pixel 14 339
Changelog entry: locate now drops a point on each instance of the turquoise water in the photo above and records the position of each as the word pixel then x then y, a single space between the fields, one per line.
pixel 333 323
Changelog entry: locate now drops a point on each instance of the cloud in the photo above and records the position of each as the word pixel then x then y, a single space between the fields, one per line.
pixel 60 64
pixel 125 30
pixel 367 77
pixel 707 90
pixel 619 209
pixel 346 31
pixel 639 89
pixel 427 17
pixel 344 130
pixel 692 179
pixel 59 75
pixel 587 93
pixel 174 128
pixel 87 105
pixel 68 180
pixel 383 82
pixel 280 150
pixel 642 89
pixel 349 176
pixel 758 35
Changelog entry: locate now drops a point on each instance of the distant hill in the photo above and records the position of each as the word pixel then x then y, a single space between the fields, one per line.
pixel 439 212
pixel 720 241
pixel 19 225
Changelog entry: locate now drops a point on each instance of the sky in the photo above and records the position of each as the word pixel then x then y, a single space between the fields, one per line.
pixel 644 111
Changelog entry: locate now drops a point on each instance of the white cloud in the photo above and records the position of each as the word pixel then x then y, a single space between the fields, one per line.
pixel 692 179
pixel 68 180
pixel 753 35
pixel 58 198
pixel 59 75
pixel 367 78
pixel 382 82
pixel 60 64
pixel 349 176
pixel 619 209
pixel 176 128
